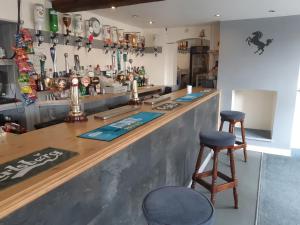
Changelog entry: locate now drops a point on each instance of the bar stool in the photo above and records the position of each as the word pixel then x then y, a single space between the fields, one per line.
pixel 177 206
pixel 234 117
pixel 216 141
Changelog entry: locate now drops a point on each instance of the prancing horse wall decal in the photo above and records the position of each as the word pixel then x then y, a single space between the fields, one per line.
pixel 255 40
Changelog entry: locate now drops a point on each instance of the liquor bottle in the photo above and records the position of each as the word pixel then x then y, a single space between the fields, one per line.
pixel 53 25
pixel 53 20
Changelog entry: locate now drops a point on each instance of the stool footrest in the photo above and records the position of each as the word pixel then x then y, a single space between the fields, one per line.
pixel 239 145
pixel 224 177
pixel 203 174
pixel 225 186
pixel 204 184
pixel 230 183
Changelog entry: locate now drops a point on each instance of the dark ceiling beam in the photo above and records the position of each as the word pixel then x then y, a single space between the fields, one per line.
pixel 84 5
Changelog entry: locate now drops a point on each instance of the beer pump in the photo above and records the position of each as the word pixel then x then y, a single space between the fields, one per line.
pixel 78 25
pixel 75 114
pixel 155 42
pixel 41 80
pixel 53 57
pixel 77 64
pixel 67 22
pixel 134 94
pixel 53 24
pixel 39 20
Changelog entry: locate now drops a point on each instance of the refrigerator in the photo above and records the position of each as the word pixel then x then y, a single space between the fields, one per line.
pixel 199 64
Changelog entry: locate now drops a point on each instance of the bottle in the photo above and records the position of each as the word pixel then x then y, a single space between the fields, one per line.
pixel 53 20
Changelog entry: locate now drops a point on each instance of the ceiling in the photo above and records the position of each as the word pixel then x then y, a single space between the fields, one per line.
pixel 174 13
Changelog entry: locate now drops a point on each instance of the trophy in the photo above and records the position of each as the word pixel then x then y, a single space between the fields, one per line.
pixel 39 20
pixel 75 115
pixel 53 57
pixel 67 64
pixel 67 22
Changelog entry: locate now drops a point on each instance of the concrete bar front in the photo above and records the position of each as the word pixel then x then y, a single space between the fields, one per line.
pixel 107 181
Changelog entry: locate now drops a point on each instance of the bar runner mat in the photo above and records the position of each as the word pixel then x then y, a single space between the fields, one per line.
pixel 25 167
pixel 121 127
pixel 190 97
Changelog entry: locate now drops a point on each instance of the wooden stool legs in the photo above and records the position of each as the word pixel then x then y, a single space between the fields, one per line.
pixel 232 168
pixel 241 144
pixel 244 141
pixel 214 178
pixel 214 188
pixel 198 164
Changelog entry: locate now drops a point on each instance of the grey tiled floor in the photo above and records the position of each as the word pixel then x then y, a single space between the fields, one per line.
pixel 248 175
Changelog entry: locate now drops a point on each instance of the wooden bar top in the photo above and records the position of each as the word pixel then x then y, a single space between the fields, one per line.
pixel 91 152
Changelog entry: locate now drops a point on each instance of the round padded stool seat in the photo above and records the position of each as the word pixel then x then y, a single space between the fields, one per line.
pixel 217 138
pixel 232 115
pixel 177 206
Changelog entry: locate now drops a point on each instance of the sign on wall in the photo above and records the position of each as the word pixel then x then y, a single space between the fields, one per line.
pixel 255 39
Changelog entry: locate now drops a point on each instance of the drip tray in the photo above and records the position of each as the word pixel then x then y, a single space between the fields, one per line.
pixel 168 106
pixel 116 112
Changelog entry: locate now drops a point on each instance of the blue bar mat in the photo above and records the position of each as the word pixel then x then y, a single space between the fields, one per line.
pixel 121 127
pixel 190 97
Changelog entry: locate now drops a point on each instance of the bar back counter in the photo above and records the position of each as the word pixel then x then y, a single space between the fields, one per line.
pixel 105 182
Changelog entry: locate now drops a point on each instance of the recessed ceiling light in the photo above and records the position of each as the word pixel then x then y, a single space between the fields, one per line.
pixel 150 22
pixel 271 11
pixel 135 16
pixel 113 7
pixel 217 15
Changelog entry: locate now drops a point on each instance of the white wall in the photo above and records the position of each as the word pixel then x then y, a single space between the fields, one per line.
pixel 168 40
pixel 275 70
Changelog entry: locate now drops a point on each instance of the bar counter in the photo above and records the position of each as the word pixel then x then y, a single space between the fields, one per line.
pixel 106 182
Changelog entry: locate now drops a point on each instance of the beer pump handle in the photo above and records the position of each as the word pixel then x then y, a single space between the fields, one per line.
pixel 67 64
pixel 53 57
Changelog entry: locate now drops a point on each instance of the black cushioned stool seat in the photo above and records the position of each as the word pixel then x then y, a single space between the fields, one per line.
pixel 232 115
pixel 177 206
pixel 217 138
